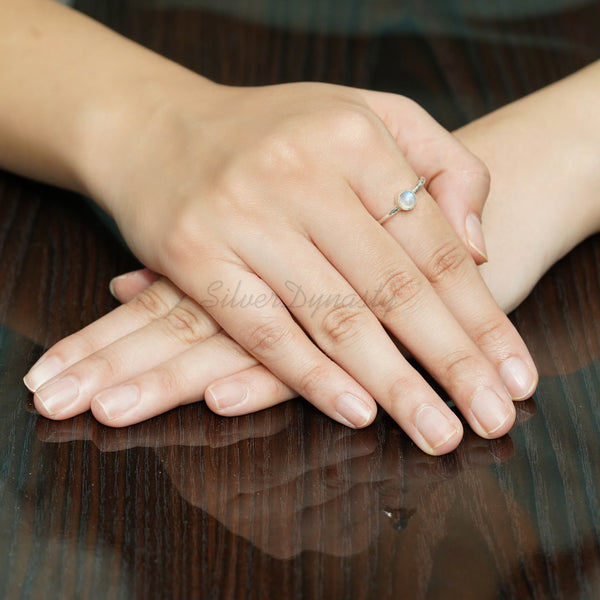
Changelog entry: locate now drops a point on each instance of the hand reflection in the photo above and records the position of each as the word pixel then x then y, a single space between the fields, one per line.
pixel 289 480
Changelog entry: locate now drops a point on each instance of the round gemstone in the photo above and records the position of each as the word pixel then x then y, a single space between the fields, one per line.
pixel 407 200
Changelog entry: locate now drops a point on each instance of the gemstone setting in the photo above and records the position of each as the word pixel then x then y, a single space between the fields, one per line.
pixel 406 200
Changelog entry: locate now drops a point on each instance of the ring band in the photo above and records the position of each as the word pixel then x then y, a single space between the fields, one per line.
pixel 405 200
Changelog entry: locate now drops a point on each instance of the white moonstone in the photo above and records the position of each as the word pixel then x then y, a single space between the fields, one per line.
pixel 407 200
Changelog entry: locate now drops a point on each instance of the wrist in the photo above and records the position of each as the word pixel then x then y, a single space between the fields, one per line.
pixel 74 95
pixel 118 128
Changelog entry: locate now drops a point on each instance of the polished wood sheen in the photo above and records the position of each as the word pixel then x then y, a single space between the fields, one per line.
pixel 287 503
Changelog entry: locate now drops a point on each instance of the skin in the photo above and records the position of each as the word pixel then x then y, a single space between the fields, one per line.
pixel 256 189
pixel 524 239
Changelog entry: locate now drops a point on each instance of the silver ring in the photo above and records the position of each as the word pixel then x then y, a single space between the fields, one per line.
pixel 405 200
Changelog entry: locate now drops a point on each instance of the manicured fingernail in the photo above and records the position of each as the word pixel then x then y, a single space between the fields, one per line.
pixel 43 370
pixel 434 426
pixel 111 287
pixel 117 401
pixel 227 395
pixel 491 411
pixel 111 284
pixel 58 396
pixel 475 235
pixel 518 378
pixel 353 411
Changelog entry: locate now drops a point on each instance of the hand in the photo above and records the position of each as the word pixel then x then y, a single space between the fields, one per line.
pixel 263 203
pixel 169 345
pixel 160 352
pixel 277 189
pixel 513 217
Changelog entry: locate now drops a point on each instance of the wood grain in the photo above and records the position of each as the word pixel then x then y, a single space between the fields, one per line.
pixel 286 503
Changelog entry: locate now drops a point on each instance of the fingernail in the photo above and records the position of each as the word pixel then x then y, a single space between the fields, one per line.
pixel 58 396
pixel 42 371
pixel 490 410
pixel 117 401
pixel 111 287
pixel 353 411
pixel 227 395
pixel 111 284
pixel 475 235
pixel 518 378
pixel 434 426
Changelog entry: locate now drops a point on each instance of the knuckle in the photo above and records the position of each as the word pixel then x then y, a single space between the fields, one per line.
pixel 72 349
pixel 275 389
pixel 280 155
pixel 483 173
pixel 449 262
pixel 313 380
pixel 455 364
pixel 268 337
pixel 170 383
pixel 493 335
pixel 182 241
pixel 342 324
pixel 478 175
pixel 398 390
pixel 104 366
pixel 354 126
pixel 187 325
pixel 400 290
pixel 150 302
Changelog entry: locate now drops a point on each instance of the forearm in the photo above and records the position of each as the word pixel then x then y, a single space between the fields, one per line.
pixel 543 153
pixel 68 85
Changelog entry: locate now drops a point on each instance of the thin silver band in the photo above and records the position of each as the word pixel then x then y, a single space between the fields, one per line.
pixel 405 201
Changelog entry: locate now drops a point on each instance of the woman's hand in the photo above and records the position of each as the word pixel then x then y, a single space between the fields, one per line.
pixel 165 344
pixel 264 212
pixel 262 205
pixel 528 227
pixel 274 192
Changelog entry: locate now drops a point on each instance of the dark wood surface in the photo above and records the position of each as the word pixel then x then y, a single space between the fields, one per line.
pixel 286 503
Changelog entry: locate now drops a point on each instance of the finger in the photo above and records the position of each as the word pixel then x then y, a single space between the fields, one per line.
pixel 180 380
pixel 185 378
pixel 246 391
pixel 155 302
pixel 337 319
pixel 402 298
pixel 125 287
pixel 249 310
pixel 446 264
pixel 457 179
pixel 435 249
pixel 70 393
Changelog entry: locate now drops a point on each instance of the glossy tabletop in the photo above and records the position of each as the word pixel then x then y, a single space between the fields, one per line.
pixel 286 503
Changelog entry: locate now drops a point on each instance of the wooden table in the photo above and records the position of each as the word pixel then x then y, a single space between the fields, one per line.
pixel 286 503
